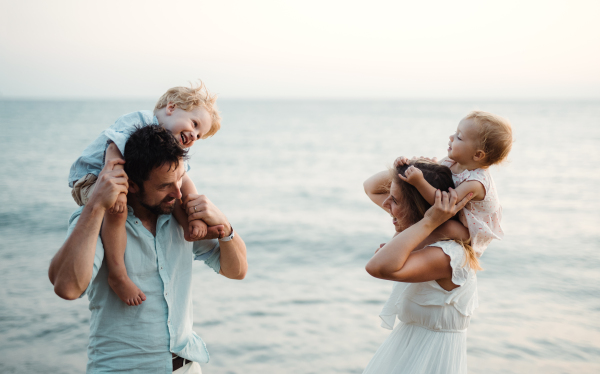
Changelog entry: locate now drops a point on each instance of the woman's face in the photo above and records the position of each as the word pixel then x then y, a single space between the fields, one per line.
pixel 392 205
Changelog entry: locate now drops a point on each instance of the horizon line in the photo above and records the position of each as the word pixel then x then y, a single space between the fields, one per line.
pixel 290 98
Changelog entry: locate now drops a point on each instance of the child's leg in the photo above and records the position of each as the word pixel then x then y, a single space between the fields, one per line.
pixel 194 230
pixel 114 238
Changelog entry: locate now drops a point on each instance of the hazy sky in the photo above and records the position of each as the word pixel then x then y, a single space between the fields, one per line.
pixel 302 49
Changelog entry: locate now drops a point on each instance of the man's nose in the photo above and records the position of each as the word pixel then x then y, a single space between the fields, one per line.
pixel 177 193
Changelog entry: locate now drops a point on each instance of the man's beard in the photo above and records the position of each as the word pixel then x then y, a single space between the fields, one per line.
pixel 156 209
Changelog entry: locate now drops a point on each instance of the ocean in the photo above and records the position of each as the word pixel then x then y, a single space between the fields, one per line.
pixel 288 175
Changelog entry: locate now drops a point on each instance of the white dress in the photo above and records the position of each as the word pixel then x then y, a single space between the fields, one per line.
pixel 432 335
pixel 481 217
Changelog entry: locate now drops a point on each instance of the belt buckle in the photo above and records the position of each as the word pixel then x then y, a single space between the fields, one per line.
pixel 179 361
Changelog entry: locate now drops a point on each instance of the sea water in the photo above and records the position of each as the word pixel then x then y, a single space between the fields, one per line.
pixel 288 175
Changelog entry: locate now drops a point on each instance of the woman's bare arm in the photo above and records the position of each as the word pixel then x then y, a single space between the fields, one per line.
pixel 397 259
pixel 377 187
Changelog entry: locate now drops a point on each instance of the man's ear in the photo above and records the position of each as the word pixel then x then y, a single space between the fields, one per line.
pixel 479 155
pixel 133 188
pixel 170 108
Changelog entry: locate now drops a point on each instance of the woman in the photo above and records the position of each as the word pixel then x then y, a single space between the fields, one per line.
pixel 438 292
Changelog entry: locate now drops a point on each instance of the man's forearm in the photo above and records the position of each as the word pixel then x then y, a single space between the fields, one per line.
pixel 234 264
pixel 71 268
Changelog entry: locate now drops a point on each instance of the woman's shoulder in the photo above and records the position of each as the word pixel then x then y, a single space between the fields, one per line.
pixel 458 260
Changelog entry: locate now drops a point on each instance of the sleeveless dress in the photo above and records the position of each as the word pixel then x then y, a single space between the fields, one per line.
pixel 432 335
pixel 482 217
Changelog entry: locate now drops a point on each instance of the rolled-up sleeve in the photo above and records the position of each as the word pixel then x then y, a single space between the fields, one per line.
pixel 209 252
pixel 99 255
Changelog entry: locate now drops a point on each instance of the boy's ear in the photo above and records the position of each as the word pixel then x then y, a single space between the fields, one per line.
pixel 133 188
pixel 170 108
pixel 479 155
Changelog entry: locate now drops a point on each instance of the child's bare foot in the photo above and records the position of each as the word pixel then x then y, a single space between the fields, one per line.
pixel 126 289
pixel 197 230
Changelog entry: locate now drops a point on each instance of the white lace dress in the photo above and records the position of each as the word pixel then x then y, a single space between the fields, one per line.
pixel 482 217
pixel 432 335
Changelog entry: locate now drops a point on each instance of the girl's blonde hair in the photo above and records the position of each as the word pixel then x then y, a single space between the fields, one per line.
pixel 495 136
pixel 190 98
pixel 414 204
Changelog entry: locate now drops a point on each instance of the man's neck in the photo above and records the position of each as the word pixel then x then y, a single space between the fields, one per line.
pixel 148 218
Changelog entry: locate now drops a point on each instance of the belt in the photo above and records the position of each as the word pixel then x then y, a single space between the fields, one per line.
pixel 179 362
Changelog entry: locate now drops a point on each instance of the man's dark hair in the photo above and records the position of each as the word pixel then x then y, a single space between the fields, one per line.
pixel 151 147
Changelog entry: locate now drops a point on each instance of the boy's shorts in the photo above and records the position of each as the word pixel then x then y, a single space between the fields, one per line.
pixel 83 188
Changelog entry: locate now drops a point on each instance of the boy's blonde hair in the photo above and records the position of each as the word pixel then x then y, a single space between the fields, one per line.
pixel 495 136
pixel 190 98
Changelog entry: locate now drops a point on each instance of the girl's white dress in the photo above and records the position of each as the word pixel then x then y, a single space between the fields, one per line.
pixel 432 335
pixel 482 217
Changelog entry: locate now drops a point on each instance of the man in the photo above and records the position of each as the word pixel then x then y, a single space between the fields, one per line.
pixel 156 336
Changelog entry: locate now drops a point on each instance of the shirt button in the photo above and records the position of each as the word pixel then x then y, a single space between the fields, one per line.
pixel 136 222
pixel 169 321
pixel 166 293
pixel 161 268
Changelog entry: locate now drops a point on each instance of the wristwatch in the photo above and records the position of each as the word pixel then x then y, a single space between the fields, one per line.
pixel 228 238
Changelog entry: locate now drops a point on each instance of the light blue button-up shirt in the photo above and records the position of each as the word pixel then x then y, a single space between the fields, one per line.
pixel 140 339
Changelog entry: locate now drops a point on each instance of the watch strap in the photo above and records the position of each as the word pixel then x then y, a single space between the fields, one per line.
pixel 228 238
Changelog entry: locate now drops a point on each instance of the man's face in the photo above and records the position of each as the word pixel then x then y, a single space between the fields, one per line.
pixel 162 188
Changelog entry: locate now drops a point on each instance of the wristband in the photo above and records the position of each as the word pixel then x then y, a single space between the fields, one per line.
pixel 228 238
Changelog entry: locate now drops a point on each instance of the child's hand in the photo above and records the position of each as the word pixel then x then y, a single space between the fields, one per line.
pixel 412 176
pixel 401 161
pixel 120 205
pixel 197 229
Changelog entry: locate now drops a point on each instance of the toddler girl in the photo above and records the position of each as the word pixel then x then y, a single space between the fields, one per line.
pixel 482 139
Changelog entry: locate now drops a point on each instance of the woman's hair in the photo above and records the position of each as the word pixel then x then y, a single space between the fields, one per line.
pixel 495 136
pixel 414 205
pixel 190 98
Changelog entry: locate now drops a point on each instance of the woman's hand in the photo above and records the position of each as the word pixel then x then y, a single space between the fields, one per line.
pixel 445 206
pixel 401 161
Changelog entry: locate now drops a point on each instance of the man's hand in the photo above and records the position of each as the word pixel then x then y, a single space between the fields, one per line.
pixel 110 185
pixel 200 207
pixel 413 176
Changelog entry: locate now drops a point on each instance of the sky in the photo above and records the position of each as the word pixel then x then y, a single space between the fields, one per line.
pixel 306 49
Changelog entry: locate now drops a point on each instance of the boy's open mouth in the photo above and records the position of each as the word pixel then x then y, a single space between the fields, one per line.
pixel 183 138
